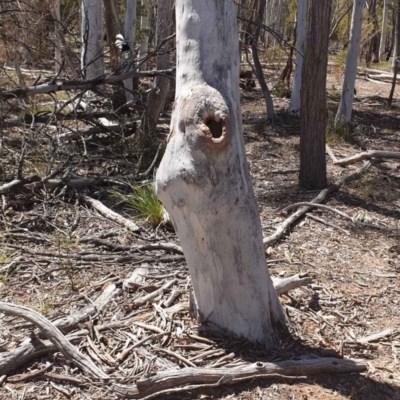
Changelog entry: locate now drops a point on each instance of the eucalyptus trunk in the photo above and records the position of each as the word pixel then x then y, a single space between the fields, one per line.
pixel 294 106
pixel 204 180
pixel 92 60
pixel 382 45
pixel 345 109
pixel 313 116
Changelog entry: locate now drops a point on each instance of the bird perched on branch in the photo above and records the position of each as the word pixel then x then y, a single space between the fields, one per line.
pixel 122 44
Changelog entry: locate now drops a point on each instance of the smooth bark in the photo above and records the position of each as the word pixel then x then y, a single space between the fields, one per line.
pixel 257 65
pixel 313 116
pixel 204 180
pixel 382 45
pixel 294 106
pixel 130 35
pixel 144 37
pixel 92 62
pixel 345 109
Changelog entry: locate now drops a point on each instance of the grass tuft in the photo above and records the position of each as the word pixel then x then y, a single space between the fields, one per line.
pixel 145 201
pixel 338 134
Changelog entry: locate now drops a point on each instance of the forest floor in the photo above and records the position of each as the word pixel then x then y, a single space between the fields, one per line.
pixel 64 254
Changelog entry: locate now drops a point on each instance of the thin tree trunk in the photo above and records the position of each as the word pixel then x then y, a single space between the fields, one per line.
pixel 57 41
pixel 382 45
pixel 294 106
pixel 129 35
pixel 313 114
pixel 27 56
pixel 204 181
pixel 113 28
pixel 92 61
pixel 343 115
pixel 396 48
pixel 396 55
pixel 159 92
pixel 144 36
pixel 257 65
pixel 66 50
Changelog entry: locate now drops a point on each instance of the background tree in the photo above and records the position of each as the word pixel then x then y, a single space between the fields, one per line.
pixel 92 60
pixel 159 93
pixel 313 114
pixel 204 181
pixel 343 115
pixel 382 45
pixel 294 106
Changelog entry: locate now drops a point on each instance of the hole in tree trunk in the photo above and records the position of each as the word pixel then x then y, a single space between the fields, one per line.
pixel 215 128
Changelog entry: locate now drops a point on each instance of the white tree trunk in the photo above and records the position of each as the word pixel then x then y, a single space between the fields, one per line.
pixel 382 45
pixel 204 181
pixel 343 115
pixel 92 61
pixel 278 20
pixel 144 36
pixel 129 35
pixel 294 106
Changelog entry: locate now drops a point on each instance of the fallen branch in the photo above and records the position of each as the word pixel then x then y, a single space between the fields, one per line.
pixel 174 248
pixel 287 223
pixel 367 155
pixel 110 214
pixel 67 323
pixel 321 206
pixel 322 221
pixel 79 85
pixel 155 385
pixel 16 184
pixel 56 337
pixel 376 336
pixel 293 282
pixel 29 375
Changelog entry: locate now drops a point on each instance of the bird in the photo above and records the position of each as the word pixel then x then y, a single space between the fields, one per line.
pixel 122 44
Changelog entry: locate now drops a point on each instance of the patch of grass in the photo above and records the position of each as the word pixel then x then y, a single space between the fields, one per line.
pixel 338 134
pixel 281 90
pixel 341 59
pixel 335 93
pixel 145 201
pixel 384 66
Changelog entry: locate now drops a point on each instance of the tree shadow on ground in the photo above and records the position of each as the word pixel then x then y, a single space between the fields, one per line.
pixel 354 386
pixel 350 385
pixel 353 200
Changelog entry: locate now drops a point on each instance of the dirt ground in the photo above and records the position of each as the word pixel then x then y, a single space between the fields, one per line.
pixel 355 266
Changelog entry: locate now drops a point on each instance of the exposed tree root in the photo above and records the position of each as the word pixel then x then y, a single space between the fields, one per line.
pixel 56 337
pixel 165 382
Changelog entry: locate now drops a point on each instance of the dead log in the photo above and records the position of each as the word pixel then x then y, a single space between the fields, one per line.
pixel 368 155
pixel 16 184
pixel 29 350
pixel 283 286
pixel 79 85
pixel 56 337
pixel 69 322
pixel 110 214
pixel 164 381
